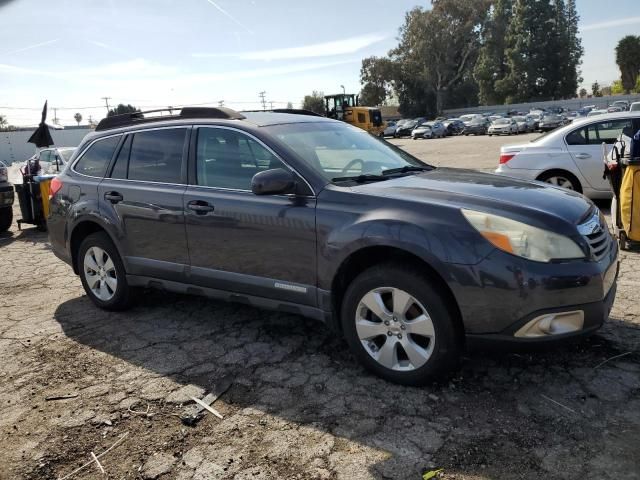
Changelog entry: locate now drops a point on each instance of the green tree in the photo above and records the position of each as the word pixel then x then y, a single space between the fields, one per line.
pixel 122 108
pixel 3 122
pixel 636 89
pixel 617 88
pixel 314 102
pixel 78 118
pixel 438 47
pixel 289 105
pixel 628 60
pixel 583 92
pixel 491 65
pixel 595 89
pixel 544 52
pixel 376 76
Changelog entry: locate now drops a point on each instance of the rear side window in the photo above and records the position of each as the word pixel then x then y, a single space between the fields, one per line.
pixel 597 133
pixel 156 155
pixel 96 158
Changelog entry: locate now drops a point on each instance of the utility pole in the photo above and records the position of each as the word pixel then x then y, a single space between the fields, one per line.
pixel 271 103
pixel 264 102
pixel 221 103
pixel 55 115
pixel 106 102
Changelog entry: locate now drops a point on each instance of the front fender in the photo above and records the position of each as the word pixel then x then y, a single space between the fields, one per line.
pixel 438 241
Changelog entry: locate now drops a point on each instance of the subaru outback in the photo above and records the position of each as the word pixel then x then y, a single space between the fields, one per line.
pixel 311 216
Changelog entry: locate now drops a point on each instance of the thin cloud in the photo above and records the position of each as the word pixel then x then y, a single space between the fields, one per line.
pixel 326 49
pixel 611 23
pixel 229 16
pixel 29 47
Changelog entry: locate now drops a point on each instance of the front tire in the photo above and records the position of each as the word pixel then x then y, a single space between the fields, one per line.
pixel 102 273
pixel 398 326
pixel 6 218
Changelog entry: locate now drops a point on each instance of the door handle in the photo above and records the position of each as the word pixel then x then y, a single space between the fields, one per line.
pixel 113 197
pixel 582 155
pixel 200 207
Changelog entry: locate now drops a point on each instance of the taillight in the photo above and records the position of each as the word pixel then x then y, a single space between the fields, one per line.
pixel 505 157
pixel 54 187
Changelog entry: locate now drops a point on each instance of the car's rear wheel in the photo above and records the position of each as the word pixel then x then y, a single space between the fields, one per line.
pixel 6 218
pixel 561 179
pixel 398 326
pixel 102 272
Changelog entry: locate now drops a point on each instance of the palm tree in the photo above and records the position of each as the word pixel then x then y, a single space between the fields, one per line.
pixel 78 118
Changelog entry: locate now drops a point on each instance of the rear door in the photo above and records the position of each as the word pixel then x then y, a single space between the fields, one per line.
pixel 240 242
pixel 143 196
pixel 585 146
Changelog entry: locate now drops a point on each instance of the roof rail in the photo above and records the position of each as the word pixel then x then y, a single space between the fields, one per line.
pixel 132 118
pixel 293 111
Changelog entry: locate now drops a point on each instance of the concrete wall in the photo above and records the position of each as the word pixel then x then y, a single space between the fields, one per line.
pixel 572 104
pixel 14 146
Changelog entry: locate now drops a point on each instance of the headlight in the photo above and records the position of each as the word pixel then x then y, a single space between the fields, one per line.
pixel 521 239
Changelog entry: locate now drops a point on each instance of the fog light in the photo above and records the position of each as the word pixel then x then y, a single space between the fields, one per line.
pixel 552 324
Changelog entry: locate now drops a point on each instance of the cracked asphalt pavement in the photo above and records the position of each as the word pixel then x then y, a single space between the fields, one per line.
pixel 299 407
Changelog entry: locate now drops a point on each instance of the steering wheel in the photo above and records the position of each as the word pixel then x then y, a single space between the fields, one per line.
pixel 350 165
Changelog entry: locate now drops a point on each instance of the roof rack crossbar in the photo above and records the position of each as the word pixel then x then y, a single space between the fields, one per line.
pixel 131 118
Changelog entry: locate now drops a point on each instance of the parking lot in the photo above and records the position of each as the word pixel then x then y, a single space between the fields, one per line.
pixel 75 381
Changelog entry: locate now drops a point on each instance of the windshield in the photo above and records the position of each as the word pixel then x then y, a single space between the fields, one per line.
pixel 502 121
pixel 519 119
pixel 340 150
pixel 552 118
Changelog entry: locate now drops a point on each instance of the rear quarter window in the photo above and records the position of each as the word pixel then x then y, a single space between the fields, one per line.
pixel 95 160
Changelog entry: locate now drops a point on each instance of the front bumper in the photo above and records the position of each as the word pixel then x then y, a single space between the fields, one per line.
pixel 503 293
pixel 7 195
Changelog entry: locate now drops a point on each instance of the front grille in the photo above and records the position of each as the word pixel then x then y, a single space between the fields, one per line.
pixel 596 232
pixel 599 242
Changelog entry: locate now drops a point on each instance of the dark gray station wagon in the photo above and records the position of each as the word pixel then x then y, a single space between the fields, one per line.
pixel 307 215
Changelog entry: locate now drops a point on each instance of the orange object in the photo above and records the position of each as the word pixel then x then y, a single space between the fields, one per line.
pixel 499 240
pixel 44 193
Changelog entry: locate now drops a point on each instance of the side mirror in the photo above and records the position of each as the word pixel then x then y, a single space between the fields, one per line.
pixel 273 182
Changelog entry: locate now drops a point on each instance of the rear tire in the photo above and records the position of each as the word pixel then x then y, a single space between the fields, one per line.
pixel 6 218
pixel 412 339
pixel 561 178
pixel 102 273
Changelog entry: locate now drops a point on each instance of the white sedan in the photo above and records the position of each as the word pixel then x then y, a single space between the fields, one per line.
pixel 570 156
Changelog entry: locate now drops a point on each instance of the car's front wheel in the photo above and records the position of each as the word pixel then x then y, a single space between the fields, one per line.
pixel 398 326
pixel 102 272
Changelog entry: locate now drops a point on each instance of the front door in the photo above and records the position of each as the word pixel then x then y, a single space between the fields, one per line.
pixel 143 194
pixel 241 242
pixel 585 146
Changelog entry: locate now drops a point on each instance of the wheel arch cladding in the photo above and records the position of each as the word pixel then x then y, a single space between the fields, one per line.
pixel 367 257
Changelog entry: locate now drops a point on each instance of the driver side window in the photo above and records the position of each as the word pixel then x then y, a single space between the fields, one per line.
pixel 229 159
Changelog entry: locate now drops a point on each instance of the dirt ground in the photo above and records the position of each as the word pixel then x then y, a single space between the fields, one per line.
pixel 298 406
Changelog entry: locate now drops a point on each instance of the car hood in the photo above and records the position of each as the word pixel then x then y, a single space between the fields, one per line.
pixel 485 192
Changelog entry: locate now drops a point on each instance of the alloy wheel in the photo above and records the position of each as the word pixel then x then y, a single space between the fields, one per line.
pixel 100 273
pixel 560 181
pixel 395 329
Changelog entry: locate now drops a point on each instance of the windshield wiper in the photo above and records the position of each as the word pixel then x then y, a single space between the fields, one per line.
pixel 405 169
pixel 361 178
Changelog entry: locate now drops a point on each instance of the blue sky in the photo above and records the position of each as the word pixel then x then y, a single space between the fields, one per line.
pixel 169 52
